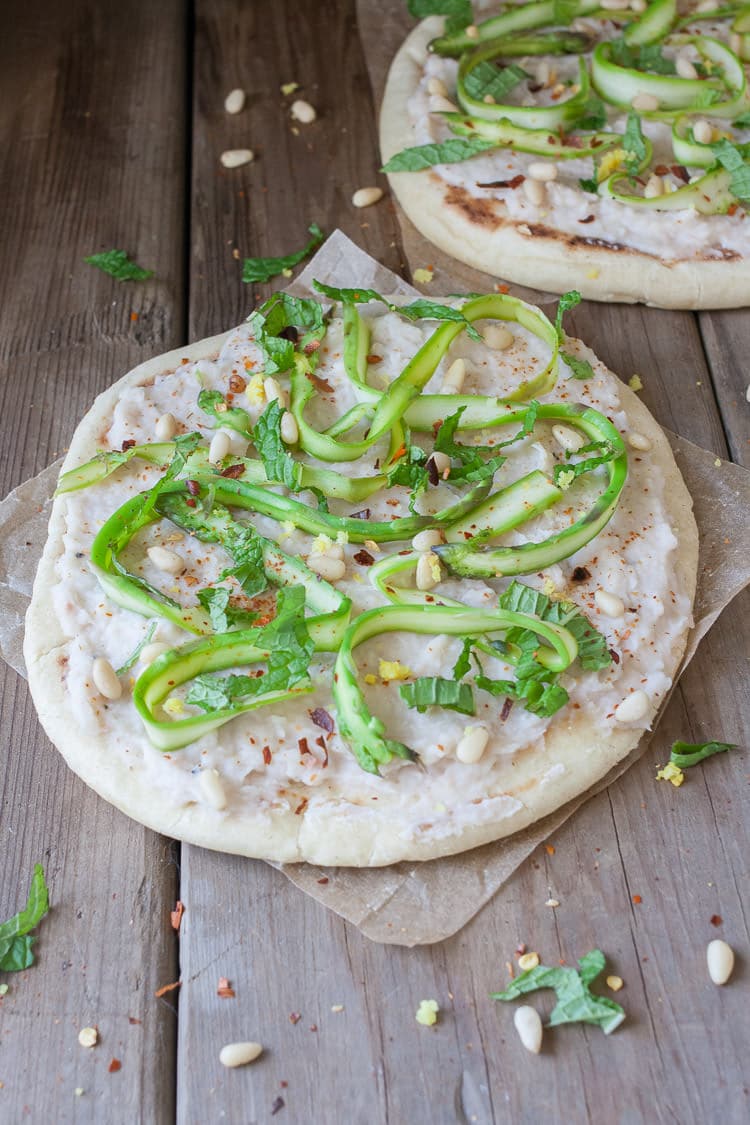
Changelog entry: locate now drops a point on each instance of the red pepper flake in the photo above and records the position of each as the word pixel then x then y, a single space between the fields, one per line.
pixel 132 1020
pixel 503 288
pixel 236 383
pixel 193 487
pixel 588 219
pixel 224 989
pixel 661 169
pixel 507 705
pixel 191 503
pixel 732 208
pixel 114 1066
pixel 637 899
pixel 303 746
pixel 615 656
pixel 301 807
pixel 320 384
pixel 320 741
pixel 128 444
pixel 311 347
pixel 313 1027
pixel 716 919
pixel 267 755
pixel 295 1017
pixel 324 881
pixel 134 316
pixel 165 988
pixel 374 358
pixel 278 1104
pixel 521 948
pixel 233 471
pixel 364 558
pixel 322 719
pixel 175 915
pixel 549 849
pixel 680 172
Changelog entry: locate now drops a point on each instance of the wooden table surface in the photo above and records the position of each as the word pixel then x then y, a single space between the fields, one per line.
pixel 112 122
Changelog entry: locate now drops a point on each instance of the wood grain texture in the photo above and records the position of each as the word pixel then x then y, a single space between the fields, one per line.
pixel 93 155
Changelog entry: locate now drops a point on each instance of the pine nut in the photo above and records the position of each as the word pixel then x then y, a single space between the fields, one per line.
pixel 335 551
pixel 609 604
pixel 303 112
pixel 288 428
pixel 685 68
pixel 638 441
pixel 166 427
pixel 720 960
pixel 703 132
pixel 234 102
pixel 105 679
pixel 218 448
pixel 654 187
pixel 437 86
pixel 615 983
pixel 527 1021
pixel 327 567
pixel 647 103
pixel 239 1054
pixel 274 392
pixel 439 104
pixel 534 192
pixel 164 559
pixel 427 539
pixel 539 170
pixel 453 380
pixel 366 196
pixel 472 31
pixel 88 1036
pixel 472 745
pixel 153 651
pixel 568 438
pixel 632 708
pixel 441 461
pixel 528 961
pixel 542 74
pixel 498 337
pixel 236 157
pixel 237 443
pixel 428 571
pixel 213 790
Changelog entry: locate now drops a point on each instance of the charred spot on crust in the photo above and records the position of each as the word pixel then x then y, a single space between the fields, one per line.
pixel 483 212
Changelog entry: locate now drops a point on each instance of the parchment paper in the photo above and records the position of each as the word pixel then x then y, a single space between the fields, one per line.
pixel 418 903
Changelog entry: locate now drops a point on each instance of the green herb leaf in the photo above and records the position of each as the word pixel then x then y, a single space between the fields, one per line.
pixel 246 548
pixel 562 473
pixel 463 663
pixel 742 122
pixel 634 143
pixel 15 945
pixel 278 462
pixel 591 185
pixel 282 311
pixel 451 151
pixel 118 265
pixel 579 368
pixel 457 12
pixel 732 158
pixel 215 599
pixel 290 650
pixel 568 301
pixel 564 12
pixel 688 754
pixel 593 114
pixel 593 652
pixel 472 466
pixel 486 79
pixel 235 418
pixel 145 640
pixel 576 1003
pixel 434 691
pixel 410 472
pixel 648 57
pixel 537 696
pixel 421 309
pixel 255 270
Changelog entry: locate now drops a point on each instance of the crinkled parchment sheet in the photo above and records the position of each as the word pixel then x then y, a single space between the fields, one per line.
pixel 417 903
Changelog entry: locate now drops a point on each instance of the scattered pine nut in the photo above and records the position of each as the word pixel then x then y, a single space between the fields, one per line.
pixel 213 789
pixel 528 1024
pixel 646 103
pixel 720 959
pixel 453 380
pixel 164 559
pixel 88 1036
pixel 472 31
pixel 609 604
pixel 326 567
pixel 239 1054
pixel 289 429
pixel 427 539
pixel 428 571
pixel 685 68
pixel 534 191
pixel 632 708
pixel 528 961
pixel 166 427
pixel 654 187
pixel 153 651
pixel 703 132
pixel 234 102
pixel 615 983
pixel 105 679
pixel 366 196
pixel 236 157
pixel 568 438
pixel 303 112
pixel 218 448
pixel 472 745
pixel 638 441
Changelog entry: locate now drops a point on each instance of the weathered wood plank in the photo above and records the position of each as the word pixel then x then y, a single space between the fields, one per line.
pixel 92 120
pixel 725 338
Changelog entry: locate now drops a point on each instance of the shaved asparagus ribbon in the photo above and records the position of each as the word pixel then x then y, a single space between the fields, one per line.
pixel 204 503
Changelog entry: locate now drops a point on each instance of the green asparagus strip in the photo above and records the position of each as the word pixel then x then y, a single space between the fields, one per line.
pixel 522 17
pixel 563 113
pixel 507 133
pixel 653 24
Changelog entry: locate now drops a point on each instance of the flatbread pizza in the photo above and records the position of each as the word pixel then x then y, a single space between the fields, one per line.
pixel 361 580
pixel 602 147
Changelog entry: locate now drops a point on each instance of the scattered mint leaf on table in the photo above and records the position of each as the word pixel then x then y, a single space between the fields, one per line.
pixel 256 270
pixel 576 1003
pixel 118 265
